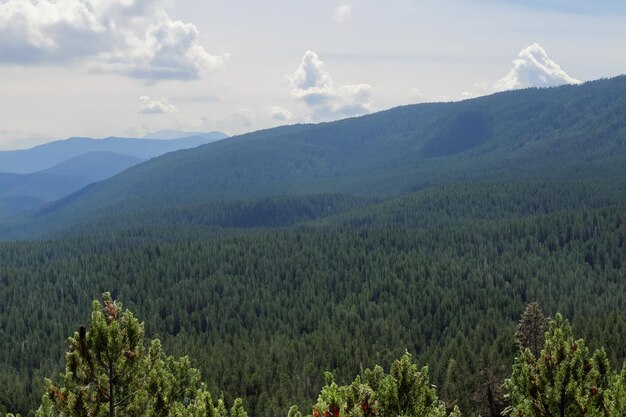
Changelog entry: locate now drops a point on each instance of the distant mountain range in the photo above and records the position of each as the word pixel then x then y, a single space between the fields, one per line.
pixel 53 153
pixel 567 133
pixel 94 166
pixel 31 177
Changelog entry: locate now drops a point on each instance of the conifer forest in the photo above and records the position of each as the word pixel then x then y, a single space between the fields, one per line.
pixel 453 259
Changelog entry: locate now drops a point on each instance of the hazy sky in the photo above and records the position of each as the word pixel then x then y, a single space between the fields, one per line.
pixel 127 67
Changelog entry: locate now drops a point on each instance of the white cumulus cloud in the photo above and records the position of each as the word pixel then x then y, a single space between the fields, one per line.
pixel 533 68
pixel 342 13
pixel 155 106
pixel 312 84
pixel 136 38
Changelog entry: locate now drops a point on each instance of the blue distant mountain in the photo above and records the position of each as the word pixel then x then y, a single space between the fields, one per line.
pixel 94 166
pixel 32 177
pixel 22 192
pixel 50 154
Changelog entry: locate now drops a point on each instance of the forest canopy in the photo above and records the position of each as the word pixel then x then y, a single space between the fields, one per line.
pixel 444 274
pixel 111 369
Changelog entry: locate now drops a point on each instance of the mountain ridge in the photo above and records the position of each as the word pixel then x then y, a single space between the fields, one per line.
pixel 561 133
pixel 95 166
pixel 46 156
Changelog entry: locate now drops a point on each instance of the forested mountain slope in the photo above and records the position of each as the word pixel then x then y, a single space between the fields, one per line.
pixel 54 170
pixel 569 132
pixel 94 166
pixel 274 256
pixel 443 273
pixel 23 192
pixel 20 193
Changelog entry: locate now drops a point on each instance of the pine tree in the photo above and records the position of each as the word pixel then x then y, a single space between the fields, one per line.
pixel 237 410
pixel 112 371
pixel 531 329
pixel 405 391
pixel 565 380
pixel 489 396
pixel 451 389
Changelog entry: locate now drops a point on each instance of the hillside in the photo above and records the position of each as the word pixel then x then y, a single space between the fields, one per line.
pixel 57 169
pixel 564 133
pixel 443 273
pixel 95 166
pixel 53 153
pixel 274 256
pixel 22 192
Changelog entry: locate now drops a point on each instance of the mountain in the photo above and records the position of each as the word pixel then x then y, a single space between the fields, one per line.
pixel 23 192
pixel 14 205
pixel 94 166
pixel 274 256
pixel 50 154
pixel 20 193
pixel 31 177
pixel 560 134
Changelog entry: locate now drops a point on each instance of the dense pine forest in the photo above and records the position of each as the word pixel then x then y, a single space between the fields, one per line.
pixel 319 269
pixel 263 309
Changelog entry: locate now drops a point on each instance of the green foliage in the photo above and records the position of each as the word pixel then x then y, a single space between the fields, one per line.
pixel 111 371
pixel 488 397
pixel 269 273
pixel 405 391
pixel 531 329
pixel 444 273
pixel 565 380
pixel 615 399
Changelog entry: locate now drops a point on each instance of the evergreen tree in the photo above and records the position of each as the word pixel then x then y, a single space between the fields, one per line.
pixel 565 380
pixel 450 389
pixel 489 397
pixel 531 329
pixel 110 371
pixel 405 391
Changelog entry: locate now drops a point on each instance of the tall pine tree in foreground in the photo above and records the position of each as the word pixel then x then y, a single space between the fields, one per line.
pixel 111 370
pixel 565 380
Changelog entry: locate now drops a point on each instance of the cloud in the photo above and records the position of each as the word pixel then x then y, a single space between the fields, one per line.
pixel 155 106
pixel 533 68
pixel 136 38
pixel 313 85
pixel 416 93
pixel 279 114
pixel 342 13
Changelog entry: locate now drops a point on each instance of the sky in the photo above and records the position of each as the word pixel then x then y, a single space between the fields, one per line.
pixel 103 68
